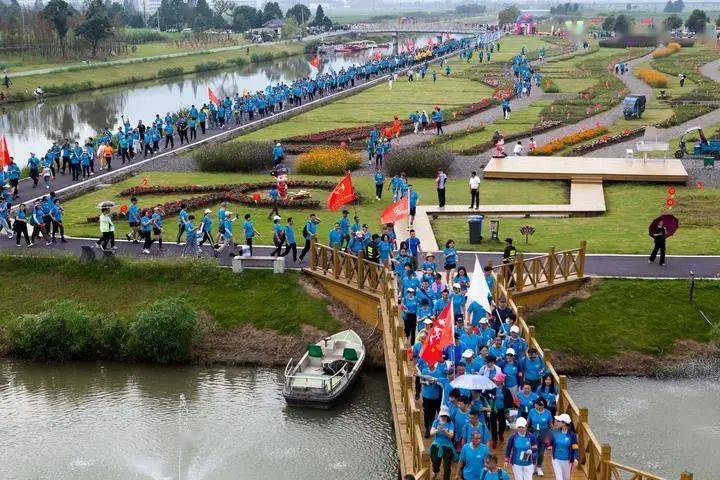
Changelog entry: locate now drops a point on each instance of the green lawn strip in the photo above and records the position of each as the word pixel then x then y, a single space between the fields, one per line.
pixel 622 229
pixel 501 191
pixel 129 286
pixel 688 60
pixel 645 316
pixel 80 79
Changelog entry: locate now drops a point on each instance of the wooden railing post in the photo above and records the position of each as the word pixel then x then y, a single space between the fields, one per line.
pixel 547 355
pixel 313 253
pixel 550 266
pixel 336 261
pixel 530 335
pixel 562 387
pixel 604 459
pixel 519 272
pixel 686 476
pixel 581 259
pixel 361 269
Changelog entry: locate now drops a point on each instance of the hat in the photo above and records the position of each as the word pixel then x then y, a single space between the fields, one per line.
pixel 456 285
pixel 483 320
pixel 430 255
pixel 564 418
pixel 228 213
pixel 499 377
pixel 520 422
pixel 510 351
pixel 444 411
pixel 468 353
pixel 428 321
pixel 207 210
pixel 276 217
pixel 514 329
pixel 410 290
pixel 359 234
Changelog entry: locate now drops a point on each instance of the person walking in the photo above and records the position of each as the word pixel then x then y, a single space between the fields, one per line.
pixel 565 449
pixel 521 450
pixel 440 184
pixel 20 226
pixel 290 243
pixel 278 237
pixel 441 449
pixel 250 232
pixel 146 231
pixel 206 228
pixel 227 235
pixel 309 232
pixel 659 235
pixel 539 423
pixel 107 230
pixel 474 191
pixel 379 183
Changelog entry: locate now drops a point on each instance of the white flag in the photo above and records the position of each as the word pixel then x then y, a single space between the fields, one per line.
pixel 479 291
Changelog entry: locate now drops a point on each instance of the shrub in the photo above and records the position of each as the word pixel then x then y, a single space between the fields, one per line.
pixel 568 140
pixel 652 77
pixel 239 61
pixel 261 57
pixel 64 332
pixel 666 51
pixel 170 72
pixel 163 333
pixel 419 162
pixel 208 66
pixel 327 161
pixel 234 157
pixel 683 113
pixel 137 36
pixel 549 86
pixel 110 337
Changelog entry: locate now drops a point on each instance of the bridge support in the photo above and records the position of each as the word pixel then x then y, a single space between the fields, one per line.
pixel 396 42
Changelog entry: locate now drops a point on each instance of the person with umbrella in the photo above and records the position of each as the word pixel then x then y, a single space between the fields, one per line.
pixel 661 228
pixel 107 227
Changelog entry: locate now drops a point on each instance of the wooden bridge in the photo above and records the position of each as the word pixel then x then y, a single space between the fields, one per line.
pixel 370 290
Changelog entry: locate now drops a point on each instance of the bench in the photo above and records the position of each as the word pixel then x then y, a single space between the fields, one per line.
pixel 278 263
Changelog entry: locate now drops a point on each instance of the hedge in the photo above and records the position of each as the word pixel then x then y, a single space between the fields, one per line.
pixel 235 157
pixel 652 77
pixel 419 162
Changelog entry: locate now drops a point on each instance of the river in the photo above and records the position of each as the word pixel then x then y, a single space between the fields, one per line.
pixel 114 421
pixel 661 426
pixel 32 127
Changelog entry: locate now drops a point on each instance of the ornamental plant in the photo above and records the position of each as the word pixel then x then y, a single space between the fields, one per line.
pixel 667 50
pixel 652 77
pixel 327 161
pixel 568 140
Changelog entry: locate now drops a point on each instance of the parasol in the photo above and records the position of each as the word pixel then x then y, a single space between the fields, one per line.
pixel 106 204
pixel 670 222
pixel 473 382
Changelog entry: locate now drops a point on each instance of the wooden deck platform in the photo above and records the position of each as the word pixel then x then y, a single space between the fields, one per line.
pixel 567 168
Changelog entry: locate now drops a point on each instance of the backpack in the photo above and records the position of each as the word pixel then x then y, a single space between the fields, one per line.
pixel 502 475
pixel 305 232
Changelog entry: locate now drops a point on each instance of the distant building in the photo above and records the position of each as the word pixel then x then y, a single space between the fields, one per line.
pixel 525 24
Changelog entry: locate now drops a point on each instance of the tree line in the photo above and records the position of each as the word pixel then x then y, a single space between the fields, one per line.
pixel 696 22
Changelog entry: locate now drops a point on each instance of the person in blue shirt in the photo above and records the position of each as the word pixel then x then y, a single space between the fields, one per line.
pixel 548 391
pixel 526 398
pixel 533 368
pixel 183 216
pixel 146 228
pixel 458 301
pixel 414 197
pixel 463 279
pixel 309 232
pixel 344 223
pixel 540 422
pixel 430 390
pixel 472 458
pixel 564 445
pixel 356 244
pixel 409 308
pixel 169 131
pixel 20 226
pixel 56 214
pixel 520 451
pixel 290 243
pixel 133 216
pixel 13 176
pixel 441 302
pixel 511 370
pixel 441 449
pixel 278 237
pixel 386 250
pixel 206 228
pixel 278 154
pixel 227 235
pixel 379 183
pixel 335 237
pixel 414 248
pixel 33 164
pixel 450 254
pixel 250 232
pixel 191 236
pixel 491 470
pixel 274 195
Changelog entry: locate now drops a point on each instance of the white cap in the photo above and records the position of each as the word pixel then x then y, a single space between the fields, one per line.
pixel 428 321
pixel 514 329
pixel 468 353
pixel 207 210
pixel 565 418
pixel 410 290
pixel 456 285
pixel 444 410
pixel 510 351
pixel 276 217
pixel 520 422
pixel 483 320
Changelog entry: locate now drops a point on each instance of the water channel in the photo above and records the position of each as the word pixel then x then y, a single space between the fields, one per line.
pixel 32 127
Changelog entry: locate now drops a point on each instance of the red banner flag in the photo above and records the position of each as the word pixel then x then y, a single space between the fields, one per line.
pixel 4 153
pixel 315 62
pixel 441 335
pixel 396 211
pixel 378 55
pixel 342 193
pixel 213 98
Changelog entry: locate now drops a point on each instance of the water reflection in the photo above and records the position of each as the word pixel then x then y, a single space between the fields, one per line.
pixel 31 127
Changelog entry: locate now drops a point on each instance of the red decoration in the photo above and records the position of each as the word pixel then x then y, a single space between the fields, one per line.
pixel 396 211
pixel 441 335
pixel 671 191
pixel 670 202
pixel 315 62
pixel 123 209
pixel 342 193
pixel 343 144
pixel 145 182
pixel 256 197
pixel 4 154
pixel 213 98
pixel 700 185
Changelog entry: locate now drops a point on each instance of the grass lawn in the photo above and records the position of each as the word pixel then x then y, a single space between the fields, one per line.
pixel 130 286
pixel 501 191
pixel 623 229
pixel 105 76
pixel 643 316
pixel 379 103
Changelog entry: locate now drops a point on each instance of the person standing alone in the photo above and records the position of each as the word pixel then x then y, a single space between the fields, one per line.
pixel 440 182
pixel 474 191
pixel 659 234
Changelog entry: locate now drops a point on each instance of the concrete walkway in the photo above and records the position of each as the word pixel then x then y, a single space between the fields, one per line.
pixel 600 265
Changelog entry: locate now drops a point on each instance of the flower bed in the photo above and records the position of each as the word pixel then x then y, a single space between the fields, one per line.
pixel 666 51
pixel 485 146
pixel 239 193
pixel 548 86
pixel 607 140
pixel 683 113
pixel 568 140
pixel 327 161
pixel 652 77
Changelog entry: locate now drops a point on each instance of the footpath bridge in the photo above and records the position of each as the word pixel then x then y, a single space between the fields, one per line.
pixel 369 290
pixel 440 27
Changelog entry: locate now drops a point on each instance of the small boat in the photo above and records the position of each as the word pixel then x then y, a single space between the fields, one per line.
pixel 325 372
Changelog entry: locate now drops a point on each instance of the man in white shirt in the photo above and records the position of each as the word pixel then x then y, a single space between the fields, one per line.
pixel 440 182
pixel 474 191
pixel 517 150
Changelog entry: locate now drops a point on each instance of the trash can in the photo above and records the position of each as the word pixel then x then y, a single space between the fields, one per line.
pixel 475 225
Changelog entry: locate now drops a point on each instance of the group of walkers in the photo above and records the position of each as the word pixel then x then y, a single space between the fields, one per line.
pixel 44 218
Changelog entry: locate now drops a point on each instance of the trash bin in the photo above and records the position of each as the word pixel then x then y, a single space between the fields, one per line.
pixel 475 225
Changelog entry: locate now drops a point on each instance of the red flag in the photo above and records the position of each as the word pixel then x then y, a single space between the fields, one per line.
pixel 396 211
pixel 378 56
pixel 213 98
pixel 4 153
pixel 441 335
pixel 315 62
pixel 342 193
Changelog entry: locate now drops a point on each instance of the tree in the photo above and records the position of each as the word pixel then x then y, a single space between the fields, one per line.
pixel 203 16
pixel 674 7
pixel 609 23
pixel 697 21
pixel 290 28
pixel 319 18
pixel 96 26
pixel 244 18
pixel 672 22
pixel 300 13
pixel 221 7
pixel 272 11
pixel 57 12
pixel 623 23
pixel 508 15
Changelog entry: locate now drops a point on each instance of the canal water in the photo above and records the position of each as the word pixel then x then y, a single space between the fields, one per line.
pixel 32 127
pixel 661 426
pixel 114 421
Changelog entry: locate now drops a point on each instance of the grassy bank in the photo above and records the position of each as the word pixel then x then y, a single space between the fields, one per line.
pixel 126 287
pixel 623 316
pixel 82 79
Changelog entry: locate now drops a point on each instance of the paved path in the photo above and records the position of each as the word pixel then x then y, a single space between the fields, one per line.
pixel 601 265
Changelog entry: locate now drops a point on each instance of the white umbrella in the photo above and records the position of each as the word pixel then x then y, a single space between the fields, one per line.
pixel 473 382
pixel 106 204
